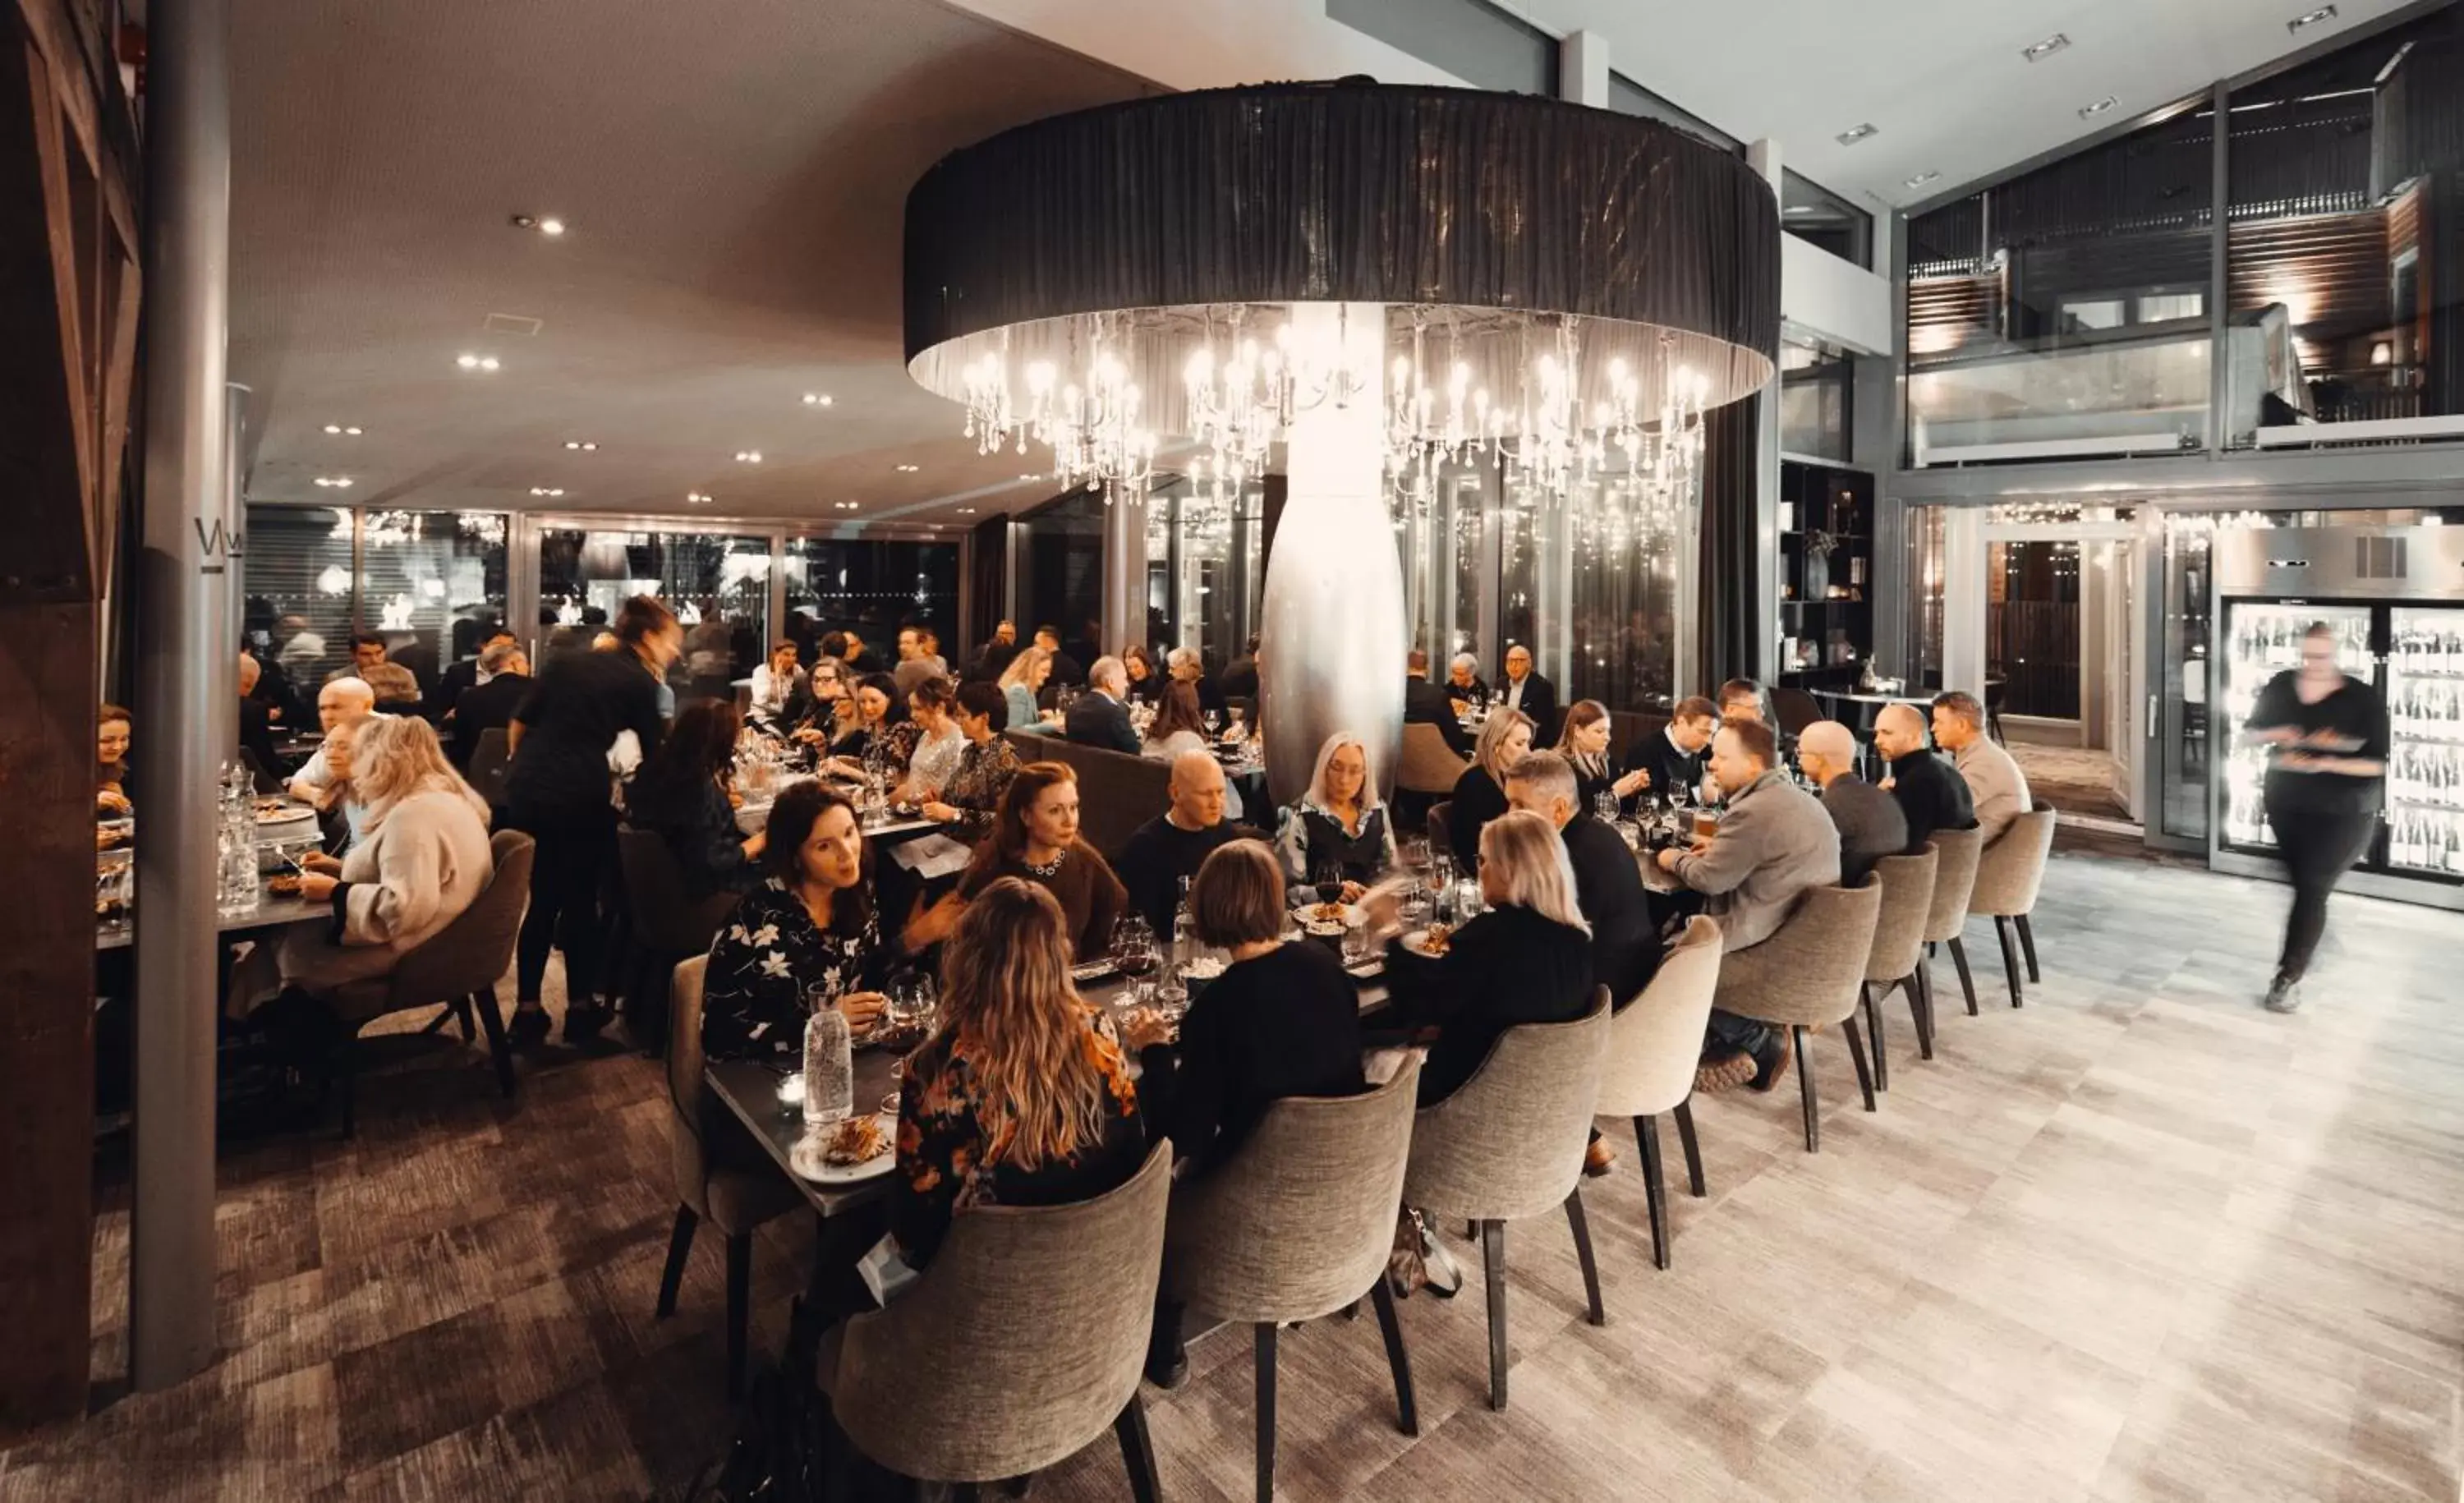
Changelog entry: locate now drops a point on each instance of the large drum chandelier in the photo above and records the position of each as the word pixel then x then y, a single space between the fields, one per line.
pixel 1355 285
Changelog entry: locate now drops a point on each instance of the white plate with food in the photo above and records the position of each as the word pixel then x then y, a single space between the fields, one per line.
pixel 1431 941
pixel 1317 915
pixel 847 1151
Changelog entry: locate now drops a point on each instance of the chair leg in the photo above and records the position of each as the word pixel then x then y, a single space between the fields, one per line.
pixel 462 1019
pixel 1655 1191
pixel 1967 982
pixel 1492 1260
pixel 348 1058
pixel 739 1309
pixel 1265 1345
pixel 2010 957
pixel 1805 1090
pixel 1407 1408
pixel 492 1021
pixel 1873 1027
pixel 672 1276
pixel 1857 1051
pixel 1597 1314
pixel 1684 1115
pixel 436 1024
pixel 1138 1452
pixel 1919 1009
pixel 2027 949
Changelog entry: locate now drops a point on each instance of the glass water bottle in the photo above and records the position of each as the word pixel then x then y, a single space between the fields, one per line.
pixel 829 1067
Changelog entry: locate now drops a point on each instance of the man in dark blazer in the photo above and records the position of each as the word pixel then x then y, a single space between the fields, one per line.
pixel 1425 703
pixel 1671 758
pixel 1100 717
pixel 461 676
pixel 1931 792
pixel 256 731
pixel 1871 824
pixel 1527 691
pixel 489 706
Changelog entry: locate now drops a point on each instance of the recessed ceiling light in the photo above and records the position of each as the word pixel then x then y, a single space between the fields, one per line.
pixel 585 444
pixel 2325 12
pixel 2089 111
pixel 698 497
pixel 470 362
pixel 547 490
pixel 1030 478
pixel 337 482
pixel 1922 179
pixel 843 506
pixel 350 430
pixel 907 468
pixel 550 226
pixel 2038 52
pixel 1856 133
pixel 966 510
pixel 748 457
pixel 817 399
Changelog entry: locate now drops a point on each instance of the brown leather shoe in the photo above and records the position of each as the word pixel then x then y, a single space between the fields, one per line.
pixel 1597 1157
pixel 1726 1073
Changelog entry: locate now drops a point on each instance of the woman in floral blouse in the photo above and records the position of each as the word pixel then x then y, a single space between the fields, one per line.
pixel 1021 1097
pixel 808 930
pixel 986 763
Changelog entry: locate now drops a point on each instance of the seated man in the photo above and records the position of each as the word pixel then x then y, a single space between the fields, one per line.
pixel 342 700
pixel 1931 794
pixel 1996 784
pixel 1100 717
pixel 1871 826
pixel 1167 851
pixel 1775 843
pixel 1662 764
pixel 1425 703
pixel 488 705
pixel 1741 698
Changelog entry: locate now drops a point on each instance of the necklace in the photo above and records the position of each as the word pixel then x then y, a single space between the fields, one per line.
pixel 1048 869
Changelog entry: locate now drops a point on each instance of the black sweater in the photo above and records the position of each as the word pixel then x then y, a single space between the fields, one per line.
pixel 1477 800
pixel 1508 965
pixel 1283 1023
pixel 1161 854
pixel 1932 795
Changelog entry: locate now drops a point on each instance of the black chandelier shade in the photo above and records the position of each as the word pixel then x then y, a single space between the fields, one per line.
pixel 1473 203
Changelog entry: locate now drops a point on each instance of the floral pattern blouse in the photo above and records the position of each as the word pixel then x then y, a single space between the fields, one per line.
pixel 946 1165
pixel 983 775
pixel 763 963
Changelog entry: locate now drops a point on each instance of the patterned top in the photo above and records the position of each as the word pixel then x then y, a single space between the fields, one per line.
pixel 946 1166
pixel 983 775
pixel 930 761
pixel 1308 837
pixel 763 962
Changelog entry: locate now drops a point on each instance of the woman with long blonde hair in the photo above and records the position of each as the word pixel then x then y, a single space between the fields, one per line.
pixel 1479 793
pixel 1021 1097
pixel 1337 833
pixel 1021 683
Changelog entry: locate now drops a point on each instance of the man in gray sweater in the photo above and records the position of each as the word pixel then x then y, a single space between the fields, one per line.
pixel 1775 843
pixel 1871 824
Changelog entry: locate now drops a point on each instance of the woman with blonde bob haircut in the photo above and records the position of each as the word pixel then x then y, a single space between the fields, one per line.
pixel 1479 793
pixel 1338 832
pixel 1021 1097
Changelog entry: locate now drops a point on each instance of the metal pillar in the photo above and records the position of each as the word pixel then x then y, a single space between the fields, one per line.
pixel 185 702
pixel 1335 636
pixel 1124 571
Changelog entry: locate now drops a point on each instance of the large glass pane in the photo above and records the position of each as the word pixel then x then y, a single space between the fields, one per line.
pixel 1823 219
pixel 1621 616
pixel 2032 627
pixel 302 596
pixel 1061 582
pixel 2063 314
pixel 1203 578
pixel 1922 667
pixel 1815 384
pixel 2344 301
pixel 717 585
pixel 872 588
pixel 2183 732
pixel 2261 640
pixel 433 582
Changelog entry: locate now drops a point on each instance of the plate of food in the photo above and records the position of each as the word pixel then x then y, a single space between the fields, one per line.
pixel 283 884
pixel 111 834
pixel 846 1152
pixel 1343 916
pixel 281 811
pixel 1432 941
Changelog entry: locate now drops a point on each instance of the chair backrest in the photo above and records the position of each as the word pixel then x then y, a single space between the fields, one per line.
pixel 1298 1223
pixel 664 919
pixel 1811 973
pixel 1795 709
pixel 1017 1345
pixel 1117 793
pixel 1657 1041
pixel 1441 840
pixel 1508 1142
pixel 684 1094
pixel 1628 727
pixel 471 952
pixel 2010 870
pixel 1954 877
pixel 490 760
pixel 1428 765
pixel 1898 924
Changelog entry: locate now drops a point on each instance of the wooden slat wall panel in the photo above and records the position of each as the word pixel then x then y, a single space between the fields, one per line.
pixel 2329 269
pixel 1946 313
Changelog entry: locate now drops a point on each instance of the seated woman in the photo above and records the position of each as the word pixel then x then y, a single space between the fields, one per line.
pixel 1020 1096
pixel 1145 685
pixel 1035 838
pixel 1022 682
pixel 812 708
pixel 113 728
pixel 1479 793
pixel 684 795
pixel 1584 742
pixel 986 762
pixel 808 933
pixel 422 857
pixel 927 743
pixel 775 683
pixel 868 744
pixel 1338 826
pixel 1526 960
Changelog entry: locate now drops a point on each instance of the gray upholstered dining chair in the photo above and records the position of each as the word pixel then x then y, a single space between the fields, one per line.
pixel 458 967
pixel 1296 1225
pixel 2008 874
pixel 1654 1043
pixel 1810 975
pixel 664 928
pixel 1954 878
pixel 1898 951
pixel 734 1192
pixel 1022 1341
pixel 1428 765
pixel 1509 1143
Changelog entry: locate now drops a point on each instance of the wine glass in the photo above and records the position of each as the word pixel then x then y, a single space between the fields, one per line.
pixel 1213 719
pixel 1604 806
pixel 1134 947
pixel 1327 878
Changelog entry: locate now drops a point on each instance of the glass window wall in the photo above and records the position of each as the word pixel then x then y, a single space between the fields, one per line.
pixel 717 585
pixel 1061 573
pixel 1823 219
pixel 430 582
pixel 873 588
pixel 1205 578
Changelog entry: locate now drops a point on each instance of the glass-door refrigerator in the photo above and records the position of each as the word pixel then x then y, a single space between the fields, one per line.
pixel 2425 692
pixel 2262 639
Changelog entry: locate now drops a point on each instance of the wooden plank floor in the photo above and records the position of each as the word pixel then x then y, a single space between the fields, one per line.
pixel 2139 1240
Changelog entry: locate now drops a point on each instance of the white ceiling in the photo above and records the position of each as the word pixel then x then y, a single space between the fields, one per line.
pixel 734 180
pixel 1944 81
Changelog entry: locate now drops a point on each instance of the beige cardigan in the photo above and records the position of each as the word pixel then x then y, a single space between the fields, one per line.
pixel 410 876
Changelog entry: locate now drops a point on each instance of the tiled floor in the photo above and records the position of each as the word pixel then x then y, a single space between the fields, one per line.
pixel 2138 1241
